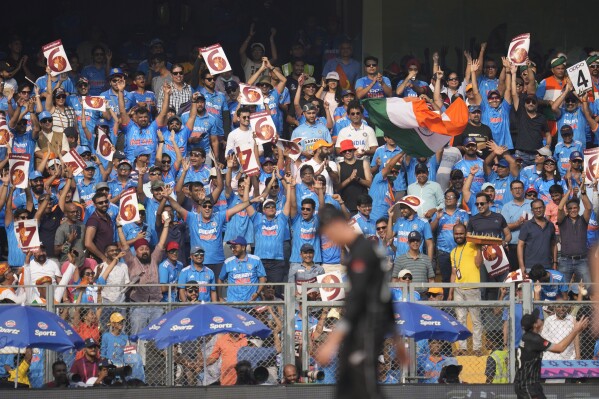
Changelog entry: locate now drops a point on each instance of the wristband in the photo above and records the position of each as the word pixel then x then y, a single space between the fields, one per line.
pixel 161 142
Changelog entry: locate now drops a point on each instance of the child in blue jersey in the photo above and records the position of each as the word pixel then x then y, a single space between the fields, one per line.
pixel 115 341
pixel 168 271
pixel 240 269
pixel 195 280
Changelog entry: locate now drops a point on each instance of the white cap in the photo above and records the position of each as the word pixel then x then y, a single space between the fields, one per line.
pixel 53 162
pixel 332 75
pixel 403 272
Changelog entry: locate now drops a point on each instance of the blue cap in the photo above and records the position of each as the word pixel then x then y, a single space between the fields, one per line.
pixel 196 249
pixel 307 248
pixel 503 163
pixel 116 71
pixel 238 241
pixel 346 92
pixel 35 175
pixel 414 236
pixel 469 140
pixel 231 85
pixel 576 155
pixel 90 165
pixel 550 159
pixel 44 115
pixel 81 149
pixel 102 122
pixel 474 108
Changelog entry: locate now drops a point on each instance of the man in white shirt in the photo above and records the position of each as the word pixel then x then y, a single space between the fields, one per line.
pixel 41 266
pixel 113 275
pixel 429 191
pixel 358 132
pixel 321 165
pixel 243 135
pixel 558 326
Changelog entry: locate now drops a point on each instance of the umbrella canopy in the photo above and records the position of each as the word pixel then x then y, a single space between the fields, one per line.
pixel 417 321
pixel 190 322
pixel 27 326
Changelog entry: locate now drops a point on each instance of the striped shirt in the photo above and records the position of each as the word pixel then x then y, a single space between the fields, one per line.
pixel 421 268
pixel 177 97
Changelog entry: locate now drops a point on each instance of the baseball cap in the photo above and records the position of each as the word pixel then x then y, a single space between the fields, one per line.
pixel 529 319
pixel 116 72
pixel 116 317
pixel 468 87
pixel 197 249
pixel 321 143
pixel 493 93
pixel 174 118
pixel 414 236
pixel 35 175
pixel 4 268
pixel 332 75
pixel 154 168
pixel 101 185
pixel 402 273
pixel 239 240
pixel 141 207
pixel 267 160
pixel 44 115
pixel 264 80
pixel 119 154
pixel 90 165
pixel 474 108
pixel 125 161
pixel 421 168
pixel 70 132
pixel 544 151
pixel 269 201
pixel 53 162
pixel 82 149
pixel 155 42
pixel 172 245
pixel 503 163
pixel 531 190
pixel 346 92
pixel 487 185
pixel 550 159
pixel 258 45
pixel 308 107
pixel 435 290
pixel 411 201
pixel 576 155
pixel 90 343
pixel 105 364
pixel 231 85
pixel 82 80
pixel 156 184
pixel 307 248
pixel 59 91
pixel 469 140
pixel 310 81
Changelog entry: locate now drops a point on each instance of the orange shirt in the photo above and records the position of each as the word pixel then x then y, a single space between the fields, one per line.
pixel 551 214
pixel 226 348
pixel 86 331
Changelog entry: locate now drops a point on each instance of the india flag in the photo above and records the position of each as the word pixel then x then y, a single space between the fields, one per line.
pixel 415 128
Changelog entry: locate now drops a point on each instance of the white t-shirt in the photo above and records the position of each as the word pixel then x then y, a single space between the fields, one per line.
pixel 555 330
pixel 316 166
pixel 118 276
pixel 241 138
pixel 363 138
pixel 49 268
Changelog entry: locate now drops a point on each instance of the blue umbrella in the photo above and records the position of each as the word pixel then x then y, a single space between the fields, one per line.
pixel 417 321
pixel 30 327
pixel 191 322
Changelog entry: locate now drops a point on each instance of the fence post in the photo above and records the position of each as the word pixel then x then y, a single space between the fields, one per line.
pixel 527 298
pixel 49 356
pixel 169 380
pixel 512 332
pixel 409 296
pixel 289 326
pixel 305 353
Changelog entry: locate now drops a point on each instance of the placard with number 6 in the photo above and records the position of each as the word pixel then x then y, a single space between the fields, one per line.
pixel 580 76
pixel 215 58
pixel 19 169
pixel 128 206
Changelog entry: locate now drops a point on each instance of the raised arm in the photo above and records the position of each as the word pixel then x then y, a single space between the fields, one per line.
pixel 561 213
pixel 245 44
pixel 473 69
pixel 507 83
pixel 273 47
pixel 121 98
pixel 254 78
pixel 588 206
pixel 481 57
pixel 556 106
pixel 49 96
pixel 437 99
pixel 215 194
pixel 161 118
pixel 515 96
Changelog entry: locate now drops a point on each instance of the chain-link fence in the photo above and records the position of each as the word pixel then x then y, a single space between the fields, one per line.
pixel 301 323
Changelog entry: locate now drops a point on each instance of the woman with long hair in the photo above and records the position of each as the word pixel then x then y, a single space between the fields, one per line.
pixel 549 176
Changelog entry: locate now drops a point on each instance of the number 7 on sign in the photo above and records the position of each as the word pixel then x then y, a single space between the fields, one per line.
pixel 247 160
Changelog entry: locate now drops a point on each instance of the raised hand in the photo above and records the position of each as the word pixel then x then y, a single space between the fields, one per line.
pixel 468 56
pixel 475 65
pixel 474 169
pixel 252 29
pixel 185 164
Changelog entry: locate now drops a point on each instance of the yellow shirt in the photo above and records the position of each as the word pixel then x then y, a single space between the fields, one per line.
pixel 23 378
pixel 462 263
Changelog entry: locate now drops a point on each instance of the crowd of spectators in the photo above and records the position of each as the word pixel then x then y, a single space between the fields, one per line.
pixel 516 172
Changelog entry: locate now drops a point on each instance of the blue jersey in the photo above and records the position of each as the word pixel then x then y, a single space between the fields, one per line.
pixel 204 277
pixel 216 103
pixel 382 197
pixel 147 97
pixel 311 134
pixel 528 176
pixel 202 174
pixel 557 286
pixel 445 240
pixel 408 91
pixel 542 186
pixel 269 235
pixel 431 368
pixel 340 124
pixel 208 235
pixel 367 225
pixel 16 257
pixel 376 91
pixel 96 77
pixel 113 348
pixel 204 127
pixel 562 154
pixel 397 295
pixel 91 118
pixel 485 85
pixel 503 194
pixel 331 253
pixel 384 154
pixel 151 206
pixel 239 224
pixel 233 105
pixel 498 119
pixel 464 165
pixel 168 273
pixel 24 144
pixel 179 139
pixel 579 124
pixel 304 232
pixel 42 82
pixel 592 230
pixel 86 191
pixel 403 227
pixel 116 187
pixel 302 192
pixel 242 271
pixel 273 100
pixel 140 140
pixel 113 102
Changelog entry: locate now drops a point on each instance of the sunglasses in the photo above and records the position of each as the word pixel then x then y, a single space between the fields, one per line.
pixel 177 73
pixel 269 206
pixel 307 209
pixel 193 289
pixel 198 254
pixel 407 278
pixel 102 202
pixel 452 78
pixel 25 91
pixel 480 203
pixel 381 228
pixel 88 274
pixel 570 102
pixel 164 162
pixel 61 97
pixel 494 98
pixel 276 186
pixel 46 120
pixel 355 113
pixel 115 80
pixel 491 67
pixel 173 251
pixel 371 65
pixel 207 206
pixel 530 101
pixel 154 173
pixel 244 117
pixel 594 66
pixel 195 154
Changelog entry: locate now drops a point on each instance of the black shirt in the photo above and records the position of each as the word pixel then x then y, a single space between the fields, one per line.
pixel 528 359
pixel 494 223
pixel 531 131
pixel 48 225
pixel 481 133
pixel 353 190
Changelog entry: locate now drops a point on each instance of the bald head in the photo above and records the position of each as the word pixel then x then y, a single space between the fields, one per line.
pixel 289 374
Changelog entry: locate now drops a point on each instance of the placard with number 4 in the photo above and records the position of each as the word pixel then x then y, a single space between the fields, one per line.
pixel 580 76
